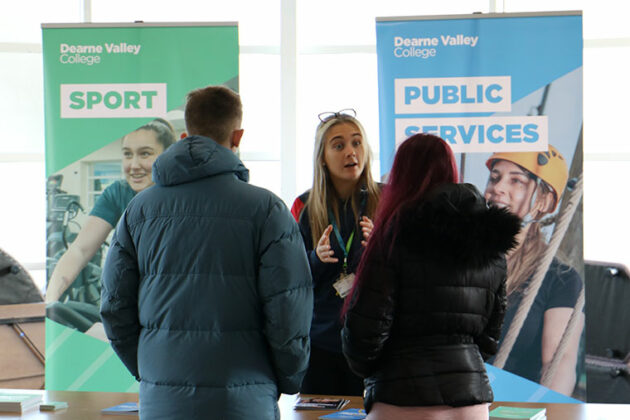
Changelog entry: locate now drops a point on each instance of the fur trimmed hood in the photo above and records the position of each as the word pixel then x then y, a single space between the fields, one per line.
pixel 456 226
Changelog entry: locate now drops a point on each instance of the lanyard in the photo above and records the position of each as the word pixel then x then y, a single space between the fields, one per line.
pixel 345 250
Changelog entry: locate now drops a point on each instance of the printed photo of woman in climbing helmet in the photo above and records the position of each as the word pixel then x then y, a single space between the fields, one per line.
pixel 531 185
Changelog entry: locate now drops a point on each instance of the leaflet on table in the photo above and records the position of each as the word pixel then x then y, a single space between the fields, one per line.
pixel 351 413
pixel 320 403
pixel 124 408
pixel 507 412
pixel 17 403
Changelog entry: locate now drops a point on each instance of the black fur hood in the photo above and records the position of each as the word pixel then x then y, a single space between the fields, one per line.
pixel 455 225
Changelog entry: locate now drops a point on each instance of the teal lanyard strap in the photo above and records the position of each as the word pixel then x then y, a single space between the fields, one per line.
pixel 345 250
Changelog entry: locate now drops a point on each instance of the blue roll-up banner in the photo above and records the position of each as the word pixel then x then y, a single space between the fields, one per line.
pixel 505 91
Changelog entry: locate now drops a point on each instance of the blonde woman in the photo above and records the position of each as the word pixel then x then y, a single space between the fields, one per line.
pixel 335 218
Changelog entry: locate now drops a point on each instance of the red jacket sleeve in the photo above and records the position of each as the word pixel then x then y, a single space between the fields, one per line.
pixel 296 209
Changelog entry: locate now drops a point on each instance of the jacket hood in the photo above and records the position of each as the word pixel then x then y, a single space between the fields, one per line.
pixel 193 158
pixel 456 225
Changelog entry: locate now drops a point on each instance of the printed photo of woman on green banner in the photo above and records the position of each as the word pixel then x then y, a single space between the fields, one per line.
pixel 114 98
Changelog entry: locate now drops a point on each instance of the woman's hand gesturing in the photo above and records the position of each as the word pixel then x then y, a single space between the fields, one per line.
pixel 324 251
pixel 366 229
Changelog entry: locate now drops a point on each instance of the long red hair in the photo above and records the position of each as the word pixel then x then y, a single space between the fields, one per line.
pixel 422 163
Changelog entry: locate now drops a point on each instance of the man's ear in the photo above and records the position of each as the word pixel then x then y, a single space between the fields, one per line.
pixel 183 135
pixel 235 141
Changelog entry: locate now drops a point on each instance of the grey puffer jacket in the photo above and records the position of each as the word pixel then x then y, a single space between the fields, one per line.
pixel 207 294
pixel 429 310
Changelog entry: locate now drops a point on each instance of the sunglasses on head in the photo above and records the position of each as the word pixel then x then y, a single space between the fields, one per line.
pixel 347 112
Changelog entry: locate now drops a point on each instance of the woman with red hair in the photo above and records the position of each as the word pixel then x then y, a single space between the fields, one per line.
pixel 428 303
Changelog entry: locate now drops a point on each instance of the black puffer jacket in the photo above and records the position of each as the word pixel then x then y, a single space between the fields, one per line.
pixel 429 312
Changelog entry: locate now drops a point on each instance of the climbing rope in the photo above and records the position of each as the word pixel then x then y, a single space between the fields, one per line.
pixel 532 290
pixel 549 372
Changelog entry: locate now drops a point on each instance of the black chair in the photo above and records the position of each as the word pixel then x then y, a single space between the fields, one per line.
pixel 607 309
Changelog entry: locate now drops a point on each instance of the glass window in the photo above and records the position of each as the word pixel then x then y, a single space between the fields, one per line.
pixel 330 82
pixel 333 22
pixel 265 174
pixel 259 82
pixel 602 19
pixel 20 21
pixel 23 211
pixel 258 21
pixel 606 226
pixel 606 89
pixel 22 103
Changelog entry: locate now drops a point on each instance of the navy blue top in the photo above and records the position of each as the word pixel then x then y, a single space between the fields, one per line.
pixel 326 325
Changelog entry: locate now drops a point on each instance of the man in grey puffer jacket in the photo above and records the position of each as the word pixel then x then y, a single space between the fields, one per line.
pixel 206 295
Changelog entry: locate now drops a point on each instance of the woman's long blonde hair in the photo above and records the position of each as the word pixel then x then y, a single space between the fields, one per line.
pixel 522 263
pixel 323 196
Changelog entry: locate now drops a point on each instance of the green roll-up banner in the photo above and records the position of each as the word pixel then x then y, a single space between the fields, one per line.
pixel 102 82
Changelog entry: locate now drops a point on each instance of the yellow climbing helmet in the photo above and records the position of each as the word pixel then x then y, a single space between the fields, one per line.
pixel 549 166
